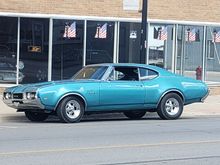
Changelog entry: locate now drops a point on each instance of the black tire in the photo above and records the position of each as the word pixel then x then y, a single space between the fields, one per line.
pixel 172 112
pixel 134 114
pixel 68 116
pixel 35 116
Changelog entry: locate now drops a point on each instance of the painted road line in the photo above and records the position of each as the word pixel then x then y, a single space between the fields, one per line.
pixel 108 147
pixel 9 127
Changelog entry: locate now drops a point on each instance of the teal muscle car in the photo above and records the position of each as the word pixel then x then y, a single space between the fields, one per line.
pixel 132 89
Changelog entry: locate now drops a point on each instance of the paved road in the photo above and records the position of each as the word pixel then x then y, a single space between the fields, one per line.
pixel 190 140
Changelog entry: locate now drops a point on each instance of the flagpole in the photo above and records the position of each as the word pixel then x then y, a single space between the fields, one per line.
pixel 144 32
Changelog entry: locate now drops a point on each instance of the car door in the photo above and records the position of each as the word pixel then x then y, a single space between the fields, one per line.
pixel 122 90
pixel 152 85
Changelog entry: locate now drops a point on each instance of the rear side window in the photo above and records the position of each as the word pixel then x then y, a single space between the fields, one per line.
pixel 147 74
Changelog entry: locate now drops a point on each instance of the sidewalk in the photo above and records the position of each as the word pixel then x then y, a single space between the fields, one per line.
pixel 211 107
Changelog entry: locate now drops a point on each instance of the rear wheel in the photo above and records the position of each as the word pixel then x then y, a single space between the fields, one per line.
pixel 134 114
pixel 70 110
pixel 170 107
pixel 36 116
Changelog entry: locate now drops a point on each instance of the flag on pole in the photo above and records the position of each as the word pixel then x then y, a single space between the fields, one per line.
pixel 70 31
pixel 190 35
pixel 161 33
pixel 101 32
pixel 216 36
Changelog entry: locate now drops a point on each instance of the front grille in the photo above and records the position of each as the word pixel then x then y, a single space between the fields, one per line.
pixel 17 96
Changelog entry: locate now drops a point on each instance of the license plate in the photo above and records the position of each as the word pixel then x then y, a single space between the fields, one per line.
pixel 16 103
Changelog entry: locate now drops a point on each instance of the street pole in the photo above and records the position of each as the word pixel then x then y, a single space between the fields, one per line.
pixel 144 32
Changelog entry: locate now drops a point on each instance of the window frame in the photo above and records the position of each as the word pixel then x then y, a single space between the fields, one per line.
pixel 147 78
pixel 209 43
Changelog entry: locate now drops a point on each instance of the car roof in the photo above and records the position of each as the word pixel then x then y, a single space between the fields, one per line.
pixel 162 71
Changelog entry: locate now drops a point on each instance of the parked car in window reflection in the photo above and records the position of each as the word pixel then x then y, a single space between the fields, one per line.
pixel 8 72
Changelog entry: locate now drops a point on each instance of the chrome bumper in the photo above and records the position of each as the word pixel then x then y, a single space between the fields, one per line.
pixel 24 103
pixel 207 94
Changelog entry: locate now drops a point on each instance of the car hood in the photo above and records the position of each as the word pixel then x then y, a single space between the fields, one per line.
pixel 35 86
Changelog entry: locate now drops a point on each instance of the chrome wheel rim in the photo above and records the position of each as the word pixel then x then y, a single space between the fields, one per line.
pixel 73 109
pixel 172 106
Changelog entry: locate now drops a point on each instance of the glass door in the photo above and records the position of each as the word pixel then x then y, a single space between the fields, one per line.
pixel 160 45
pixel 67 48
pixel 189 51
pixel 34 49
pixel 100 42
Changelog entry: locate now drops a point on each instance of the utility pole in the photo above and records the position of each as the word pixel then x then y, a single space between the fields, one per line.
pixel 144 32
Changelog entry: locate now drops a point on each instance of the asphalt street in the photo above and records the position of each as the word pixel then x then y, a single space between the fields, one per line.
pixel 107 140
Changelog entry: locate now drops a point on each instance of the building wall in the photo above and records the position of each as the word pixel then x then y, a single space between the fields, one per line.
pixel 196 10
pixel 189 10
pixel 107 8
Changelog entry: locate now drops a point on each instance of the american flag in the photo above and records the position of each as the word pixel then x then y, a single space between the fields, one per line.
pixel 70 31
pixel 216 36
pixel 101 32
pixel 191 35
pixel 163 34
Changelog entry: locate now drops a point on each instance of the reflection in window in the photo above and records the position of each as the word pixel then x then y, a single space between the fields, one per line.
pixel 124 74
pixel 213 55
pixel 34 49
pixel 8 49
pixel 210 49
pixel 94 72
pixel 160 45
pixel 100 42
pixel 129 42
pixel 190 46
pixel 147 74
pixel 67 48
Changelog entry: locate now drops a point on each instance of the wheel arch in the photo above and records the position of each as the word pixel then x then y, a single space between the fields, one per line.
pixel 172 91
pixel 79 96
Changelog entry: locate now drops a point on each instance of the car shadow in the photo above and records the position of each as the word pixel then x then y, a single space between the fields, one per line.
pixel 87 118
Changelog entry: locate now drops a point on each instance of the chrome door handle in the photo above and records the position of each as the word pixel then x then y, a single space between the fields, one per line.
pixel 139 85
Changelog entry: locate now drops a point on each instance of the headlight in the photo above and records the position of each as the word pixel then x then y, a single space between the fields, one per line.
pixel 31 95
pixel 7 95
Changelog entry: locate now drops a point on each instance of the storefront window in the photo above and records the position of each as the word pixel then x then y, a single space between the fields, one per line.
pixel 8 49
pixel 100 42
pixel 129 42
pixel 160 45
pixel 190 48
pixel 213 55
pixel 67 48
pixel 34 49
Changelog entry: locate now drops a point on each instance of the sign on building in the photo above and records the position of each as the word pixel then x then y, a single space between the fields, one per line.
pixel 131 5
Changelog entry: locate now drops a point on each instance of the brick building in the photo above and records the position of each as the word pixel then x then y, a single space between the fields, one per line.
pixel 51 40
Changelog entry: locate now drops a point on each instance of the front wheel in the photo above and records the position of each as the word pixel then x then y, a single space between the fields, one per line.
pixel 35 116
pixel 70 110
pixel 134 114
pixel 170 107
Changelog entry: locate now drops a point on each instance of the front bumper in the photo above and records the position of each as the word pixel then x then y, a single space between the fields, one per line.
pixel 24 103
pixel 207 94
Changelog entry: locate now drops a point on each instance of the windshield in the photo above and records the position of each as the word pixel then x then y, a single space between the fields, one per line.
pixel 91 72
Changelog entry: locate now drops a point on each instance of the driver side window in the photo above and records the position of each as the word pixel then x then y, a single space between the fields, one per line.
pixel 124 74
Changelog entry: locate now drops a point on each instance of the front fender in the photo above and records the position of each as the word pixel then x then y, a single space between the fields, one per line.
pixel 50 96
